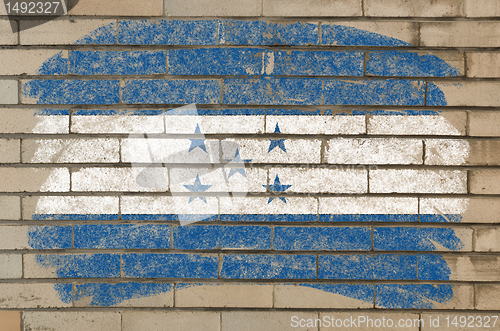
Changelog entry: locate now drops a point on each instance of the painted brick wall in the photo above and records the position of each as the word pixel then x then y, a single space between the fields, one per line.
pixel 249 165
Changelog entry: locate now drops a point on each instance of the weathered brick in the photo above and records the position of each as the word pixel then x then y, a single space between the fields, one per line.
pixel 260 33
pixel 296 122
pixel 424 296
pixel 415 64
pixel 323 296
pixel 215 121
pixel 158 150
pixel 368 209
pixel 312 8
pixel 8 92
pixel 224 295
pixel 17 120
pixel 124 294
pixel 399 92
pixel 175 321
pixel 134 179
pixel 422 239
pixel 11 266
pixel 487 239
pixel 485 181
pixel 34 180
pixel 222 237
pixel 121 236
pixel 264 321
pixel 374 151
pixel 34 295
pixel 369 33
pixel 34 62
pixel 477 94
pixel 168 32
pixel 483 65
pixel 71 265
pixel 10 320
pixel 213 8
pixel 7 37
pixel 217 61
pixel 10 207
pixel 100 150
pixel 261 209
pixel 482 8
pixel 11 150
pixel 89 121
pixel 484 123
pixel 368 267
pixel 315 63
pixel 118 62
pixel 61 32
pixel 168 208
pixel 70 91
pixel 70 207
pixel 72 321
pixel 321 238
pixel 233 178
pixel 272 91
pixel 417 181
pixel 477 268
pixel 415 8
pixel 143 265
pixel 116 8
pixel 321 180
pixel 268 266
pixel 159 91
pixel 37 237
pixel 462 152
pixel 487 297
pixel 414 123
pixel 473 210
pixel 460 34
pixel 273 150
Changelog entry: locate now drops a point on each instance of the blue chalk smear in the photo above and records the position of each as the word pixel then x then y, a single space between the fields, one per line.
pixel 118 63
pixel 122 236
pixel 72 91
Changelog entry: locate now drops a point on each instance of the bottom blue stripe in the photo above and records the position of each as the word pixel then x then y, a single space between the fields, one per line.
pixel 445 218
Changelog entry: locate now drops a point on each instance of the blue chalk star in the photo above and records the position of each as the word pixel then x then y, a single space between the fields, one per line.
pixel 277 142
pixel 197 187
pixel 237 159
pixel 197 142
pixel 277 187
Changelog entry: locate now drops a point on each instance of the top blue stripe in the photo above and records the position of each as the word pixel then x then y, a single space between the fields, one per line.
pixel 233 32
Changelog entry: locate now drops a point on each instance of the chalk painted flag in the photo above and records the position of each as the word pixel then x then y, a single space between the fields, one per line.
pixel 217 160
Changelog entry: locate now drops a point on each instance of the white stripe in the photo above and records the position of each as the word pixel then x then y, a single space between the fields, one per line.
pixel 368 205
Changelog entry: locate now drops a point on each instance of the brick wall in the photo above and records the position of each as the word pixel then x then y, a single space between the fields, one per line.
pixel 336 158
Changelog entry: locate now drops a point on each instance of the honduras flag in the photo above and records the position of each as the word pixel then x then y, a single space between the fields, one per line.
pixel 238 167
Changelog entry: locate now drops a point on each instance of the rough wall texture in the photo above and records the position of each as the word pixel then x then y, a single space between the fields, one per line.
pixel 251 165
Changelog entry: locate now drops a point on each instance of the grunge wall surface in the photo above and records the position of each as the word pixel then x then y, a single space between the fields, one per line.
pixel 251 165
